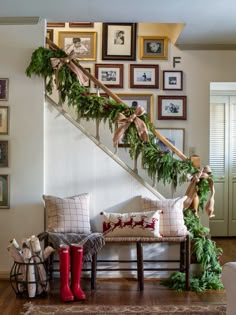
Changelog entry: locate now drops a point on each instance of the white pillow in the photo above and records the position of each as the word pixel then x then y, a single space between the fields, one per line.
pixel 68 215
pixel 171 217
pixel 131 224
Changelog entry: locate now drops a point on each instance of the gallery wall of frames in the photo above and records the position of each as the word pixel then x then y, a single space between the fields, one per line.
pixel 136 65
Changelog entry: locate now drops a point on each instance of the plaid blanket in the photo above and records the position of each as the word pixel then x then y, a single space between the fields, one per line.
pixel 91 243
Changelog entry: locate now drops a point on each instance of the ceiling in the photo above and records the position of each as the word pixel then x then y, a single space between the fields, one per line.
pixel 208 24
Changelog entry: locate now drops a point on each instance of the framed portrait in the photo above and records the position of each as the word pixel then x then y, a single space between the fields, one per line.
pixel 172 107
pixel 83 24
pixel 110 74
pixel 144 76
pixel 56 24
pixel 82 43
pixel 144 100
pixel 3 153
pixel 119 41
pixel 173 80
pixel 153 47
pixel 4 86
pixel 4 192
pixel 4 118
pixel 175 136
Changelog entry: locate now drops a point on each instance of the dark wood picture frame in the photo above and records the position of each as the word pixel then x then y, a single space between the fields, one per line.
pixel 119 41
pixel 144 76
pixel 110 74
pixel 4 89
pixel 172 107
pixel 82 24
pixel 4 192
pixel 172 80
pixel 56 24
pixel 3 153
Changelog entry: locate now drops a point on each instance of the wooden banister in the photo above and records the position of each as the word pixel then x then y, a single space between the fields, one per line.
pixel 116 98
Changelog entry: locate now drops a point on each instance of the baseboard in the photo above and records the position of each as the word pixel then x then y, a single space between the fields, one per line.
pixel 4 275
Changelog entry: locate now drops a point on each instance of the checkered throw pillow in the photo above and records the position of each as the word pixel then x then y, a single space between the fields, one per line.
pixel 131 224
pixel 171 217
pixel 68 215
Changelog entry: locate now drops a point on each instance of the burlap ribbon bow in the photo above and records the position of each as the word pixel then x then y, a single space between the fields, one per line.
pixel 192 190
pixel 57 63
pixel 126 121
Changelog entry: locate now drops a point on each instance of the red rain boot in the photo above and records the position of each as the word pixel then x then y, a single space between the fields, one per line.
pixel 76 267
pixel 65 291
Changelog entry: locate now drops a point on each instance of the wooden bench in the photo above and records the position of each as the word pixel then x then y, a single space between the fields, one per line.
pixel 183 260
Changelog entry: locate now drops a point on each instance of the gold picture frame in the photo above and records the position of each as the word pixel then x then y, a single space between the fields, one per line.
pixel 134 99
pixel 84 44
pixel 4 119
pixel 153 47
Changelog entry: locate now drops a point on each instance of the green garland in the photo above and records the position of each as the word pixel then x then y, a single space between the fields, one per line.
pixel 161 166
pixel 206 255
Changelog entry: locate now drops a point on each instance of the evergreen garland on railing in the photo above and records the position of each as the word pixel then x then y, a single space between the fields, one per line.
pixel 162 166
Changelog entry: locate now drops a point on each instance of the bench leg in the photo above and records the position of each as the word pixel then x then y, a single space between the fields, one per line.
pixel 93 271
pixel 182 256
pixel 188 262
pixel 140 265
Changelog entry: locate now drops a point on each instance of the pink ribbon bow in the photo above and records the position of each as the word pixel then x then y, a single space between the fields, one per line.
pixel 192 190
pixel 57 63
pixel 126 121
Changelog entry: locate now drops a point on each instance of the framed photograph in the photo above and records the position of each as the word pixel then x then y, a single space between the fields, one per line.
pixel 153 47
pixel 4 118
pixel 119 41
pixel 144 76
pixel 110 74
pixel 175 136
pixel 172 107
pixel 4 192
pixel 83 24
pixel 82 43
pixel 56 24
pixel 3 153
pixel 4 86
pixel 144 100
pixel 173 80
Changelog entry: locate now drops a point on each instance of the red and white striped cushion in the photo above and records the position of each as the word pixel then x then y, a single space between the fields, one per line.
pixel 69 214
pixel 171 218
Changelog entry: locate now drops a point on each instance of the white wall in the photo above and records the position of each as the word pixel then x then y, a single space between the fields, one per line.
pixel 26 135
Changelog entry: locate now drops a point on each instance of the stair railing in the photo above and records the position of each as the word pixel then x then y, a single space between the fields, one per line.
pixel 115 97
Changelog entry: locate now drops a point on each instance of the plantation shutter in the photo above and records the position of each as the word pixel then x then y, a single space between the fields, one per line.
pixel 217 138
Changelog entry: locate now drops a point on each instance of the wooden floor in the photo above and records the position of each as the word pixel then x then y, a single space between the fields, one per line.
pixel 125 291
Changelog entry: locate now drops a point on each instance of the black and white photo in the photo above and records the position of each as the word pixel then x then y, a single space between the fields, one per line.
pixel 172 107
pixel 144 76
pixel 153 47
pixel 173 80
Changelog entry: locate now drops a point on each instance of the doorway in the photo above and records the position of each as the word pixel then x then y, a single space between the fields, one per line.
pixel 223 158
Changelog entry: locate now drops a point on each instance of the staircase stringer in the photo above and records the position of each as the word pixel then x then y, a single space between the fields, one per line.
pixel 104 148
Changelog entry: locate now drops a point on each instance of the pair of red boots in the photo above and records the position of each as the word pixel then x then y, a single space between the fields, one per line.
pixel 75 252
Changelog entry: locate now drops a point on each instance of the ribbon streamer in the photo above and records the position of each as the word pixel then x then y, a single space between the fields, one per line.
pixel 191 192
pixel 126 121
pixel 57 63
